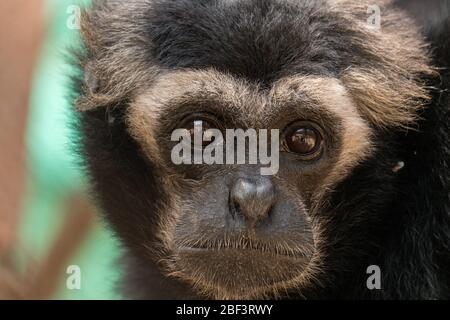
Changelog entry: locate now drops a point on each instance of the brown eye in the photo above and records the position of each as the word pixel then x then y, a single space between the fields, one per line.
pixel 304 140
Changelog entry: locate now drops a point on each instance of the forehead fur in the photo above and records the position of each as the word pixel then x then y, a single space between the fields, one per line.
pixel 129 43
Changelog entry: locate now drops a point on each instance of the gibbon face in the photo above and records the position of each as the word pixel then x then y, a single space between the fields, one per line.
pixel 316 71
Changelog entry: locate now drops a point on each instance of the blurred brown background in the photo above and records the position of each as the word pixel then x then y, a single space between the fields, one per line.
pixel 21 30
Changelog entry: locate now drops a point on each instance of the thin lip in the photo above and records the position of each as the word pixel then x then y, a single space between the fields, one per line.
pixel 281 253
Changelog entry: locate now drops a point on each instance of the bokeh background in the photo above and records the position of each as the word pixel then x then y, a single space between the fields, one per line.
pixel 46 222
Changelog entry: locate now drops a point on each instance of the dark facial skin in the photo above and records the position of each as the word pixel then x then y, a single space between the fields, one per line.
pixel 242 231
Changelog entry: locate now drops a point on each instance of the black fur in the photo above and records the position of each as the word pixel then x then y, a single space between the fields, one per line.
pixel 261 40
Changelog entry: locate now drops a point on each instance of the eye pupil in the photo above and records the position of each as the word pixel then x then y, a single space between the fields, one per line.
pixel 304 141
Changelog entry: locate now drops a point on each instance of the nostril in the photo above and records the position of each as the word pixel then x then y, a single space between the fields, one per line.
pixel 235 207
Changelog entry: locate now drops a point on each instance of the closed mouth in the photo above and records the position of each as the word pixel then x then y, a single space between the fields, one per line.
pixel 250 247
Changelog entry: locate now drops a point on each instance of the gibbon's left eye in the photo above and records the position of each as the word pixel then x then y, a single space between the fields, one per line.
pixel 305 140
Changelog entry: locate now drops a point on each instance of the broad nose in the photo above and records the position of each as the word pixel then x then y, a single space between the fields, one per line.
pixel 252 198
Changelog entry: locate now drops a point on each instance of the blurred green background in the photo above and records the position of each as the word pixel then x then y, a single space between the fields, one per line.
pixel 54 174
